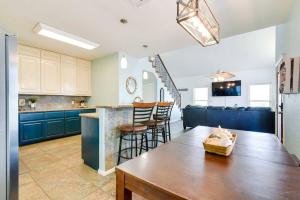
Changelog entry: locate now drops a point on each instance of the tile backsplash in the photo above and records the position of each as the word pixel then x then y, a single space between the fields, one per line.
pixel 53 102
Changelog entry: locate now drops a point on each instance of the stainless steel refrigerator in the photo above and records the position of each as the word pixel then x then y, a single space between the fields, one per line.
pixel 8 117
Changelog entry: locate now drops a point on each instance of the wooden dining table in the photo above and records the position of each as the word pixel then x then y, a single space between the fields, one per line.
pixel 258 168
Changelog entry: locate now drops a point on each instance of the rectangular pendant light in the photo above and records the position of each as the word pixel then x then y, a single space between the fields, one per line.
pixel 62 36
pixel 197 19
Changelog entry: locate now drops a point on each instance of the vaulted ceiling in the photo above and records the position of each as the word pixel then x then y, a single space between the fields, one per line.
pixel 153 23
pixel 246 51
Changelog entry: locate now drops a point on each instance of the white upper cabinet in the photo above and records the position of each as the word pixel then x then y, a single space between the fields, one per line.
pixel 68 75
pixel 47 73
pixel 50 72
pixel 29 70
pixel 83 77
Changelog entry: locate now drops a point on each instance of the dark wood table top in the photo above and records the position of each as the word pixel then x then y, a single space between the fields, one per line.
pixel 259 168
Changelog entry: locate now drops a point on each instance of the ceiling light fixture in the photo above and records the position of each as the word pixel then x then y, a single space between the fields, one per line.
pixel 123 62
pixel 124 21
pixel 197 19
pixel 62 36
pixel 145 46
pixel 221 76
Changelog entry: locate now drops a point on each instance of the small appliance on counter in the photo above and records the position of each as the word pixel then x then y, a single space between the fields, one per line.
pixel 82 104
pixel 22 104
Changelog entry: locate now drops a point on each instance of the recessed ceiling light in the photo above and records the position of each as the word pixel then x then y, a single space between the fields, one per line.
pixel 62 36
pixel 124 21
pixel 145 45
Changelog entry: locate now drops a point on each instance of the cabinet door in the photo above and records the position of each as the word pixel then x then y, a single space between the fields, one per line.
pixel 55 128
pixel 31 132
pixel 29 70
pixel 68 75
pixel 83 77
pixel 73 125
pixel 50 72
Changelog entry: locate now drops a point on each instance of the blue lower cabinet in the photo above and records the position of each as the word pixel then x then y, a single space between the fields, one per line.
pixel 90 142
pixel 39 126
pixel 31 132
pixel 55 128
pixel 73 126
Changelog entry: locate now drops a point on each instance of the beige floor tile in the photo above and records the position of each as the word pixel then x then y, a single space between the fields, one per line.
pixel 91 175
pixel 110 187
pixel 65 185
pixel 31 191
pixel 31 150
pixel 71 161
pixel 64 151
pixel 23 167
pixel 25 179
pixel 38 162
pixel 98 195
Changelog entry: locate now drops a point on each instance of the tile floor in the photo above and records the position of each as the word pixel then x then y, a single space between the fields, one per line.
pixel 54 170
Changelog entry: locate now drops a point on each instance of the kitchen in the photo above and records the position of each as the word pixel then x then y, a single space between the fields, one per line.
pixel 56 93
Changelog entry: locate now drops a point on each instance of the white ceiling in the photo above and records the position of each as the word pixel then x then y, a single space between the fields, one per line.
pixel 241 52
pixel 153 23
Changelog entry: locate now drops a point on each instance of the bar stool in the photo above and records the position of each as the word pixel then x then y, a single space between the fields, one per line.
pixel 158 124
pixel 167 121
pixel 168 132
pixel 141 113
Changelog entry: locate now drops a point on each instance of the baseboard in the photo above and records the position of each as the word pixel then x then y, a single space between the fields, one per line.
pixel 105 173
pixel 296 159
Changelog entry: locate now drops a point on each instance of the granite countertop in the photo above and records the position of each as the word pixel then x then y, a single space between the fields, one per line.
pixel 90 115
pixel 55 109
pixel 114 106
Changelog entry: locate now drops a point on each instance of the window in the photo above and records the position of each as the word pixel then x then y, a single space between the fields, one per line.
pixel 200 96
pixel 260 95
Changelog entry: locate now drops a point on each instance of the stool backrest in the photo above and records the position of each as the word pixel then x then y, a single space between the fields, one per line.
pixel 162 110
pixel 142 112
pixel 170 110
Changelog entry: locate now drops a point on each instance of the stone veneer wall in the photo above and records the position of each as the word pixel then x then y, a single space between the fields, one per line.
pixel 53 102
pixel 114 118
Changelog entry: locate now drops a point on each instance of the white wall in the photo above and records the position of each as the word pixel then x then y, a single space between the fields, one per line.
pixel 288 42
pixel 135 69
pixel 248 77
pixel 105 81
pixel 109 81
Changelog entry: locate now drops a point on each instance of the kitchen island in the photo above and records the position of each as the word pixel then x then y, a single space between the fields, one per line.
pixel 100 136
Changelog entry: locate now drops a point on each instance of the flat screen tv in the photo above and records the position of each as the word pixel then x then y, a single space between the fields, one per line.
pixel 226 88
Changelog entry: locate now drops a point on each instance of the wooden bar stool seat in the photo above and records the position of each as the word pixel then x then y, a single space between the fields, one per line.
pixel 129 128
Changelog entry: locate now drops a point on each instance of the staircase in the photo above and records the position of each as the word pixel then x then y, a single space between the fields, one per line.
pixel 165 77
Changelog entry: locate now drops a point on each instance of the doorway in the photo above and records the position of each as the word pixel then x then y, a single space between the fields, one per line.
pixel 279 103
pixel 149 87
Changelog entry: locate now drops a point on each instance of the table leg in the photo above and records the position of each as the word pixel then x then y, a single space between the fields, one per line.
pixel 122 192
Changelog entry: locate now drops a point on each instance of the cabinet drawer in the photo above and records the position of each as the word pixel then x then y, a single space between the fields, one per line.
pixel 55 115
pixel 72 113
pixel 88 111
pixel 32 116
pixel 73 125
pixel 31 132
pixel 55 128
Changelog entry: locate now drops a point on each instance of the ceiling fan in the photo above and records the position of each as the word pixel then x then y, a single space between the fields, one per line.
pixel 221 76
